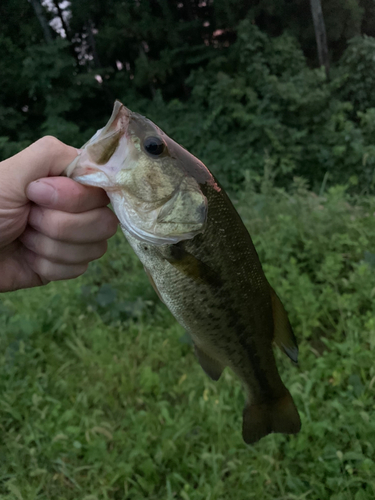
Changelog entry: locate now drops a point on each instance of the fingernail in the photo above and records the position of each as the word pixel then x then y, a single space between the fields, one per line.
pixel 41 192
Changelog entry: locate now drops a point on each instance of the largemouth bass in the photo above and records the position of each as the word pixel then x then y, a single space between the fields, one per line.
pixel 199 258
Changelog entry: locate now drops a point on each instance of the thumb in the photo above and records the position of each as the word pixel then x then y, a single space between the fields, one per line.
pixel 44 158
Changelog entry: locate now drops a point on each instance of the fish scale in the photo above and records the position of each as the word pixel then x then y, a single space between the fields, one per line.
pixel 241 306
pixel 200 259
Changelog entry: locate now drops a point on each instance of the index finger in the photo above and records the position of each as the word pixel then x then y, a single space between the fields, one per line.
pixel 46 157
pixel 66 195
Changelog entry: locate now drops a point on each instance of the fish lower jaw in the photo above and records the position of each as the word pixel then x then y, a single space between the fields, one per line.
pixel 155 239
pixel 92 179
pixel 150 231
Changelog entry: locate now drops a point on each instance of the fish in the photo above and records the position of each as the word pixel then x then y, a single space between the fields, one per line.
pixel 199 258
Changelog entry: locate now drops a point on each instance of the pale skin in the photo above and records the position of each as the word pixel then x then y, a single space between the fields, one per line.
pixel 51 227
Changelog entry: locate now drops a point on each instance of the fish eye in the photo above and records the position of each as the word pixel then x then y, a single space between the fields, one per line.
pixel 154 146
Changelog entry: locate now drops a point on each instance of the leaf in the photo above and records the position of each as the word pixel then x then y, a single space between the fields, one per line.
pixel 186 339
pixel 356 382
pixel 369 258
pixel 14 489
pixel 106 295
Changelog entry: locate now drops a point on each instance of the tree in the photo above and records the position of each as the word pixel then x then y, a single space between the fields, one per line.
pixel 320 34
pixel 42 20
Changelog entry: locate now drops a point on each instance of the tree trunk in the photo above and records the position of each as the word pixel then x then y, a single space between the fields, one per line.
pixel 42 20
pixel 91 40
pixel 143 55
pixel 61 16
pixel 320 34
pixel 190 9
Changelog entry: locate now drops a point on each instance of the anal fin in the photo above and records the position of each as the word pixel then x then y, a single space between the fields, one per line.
pixel 211 366
pixel 283 333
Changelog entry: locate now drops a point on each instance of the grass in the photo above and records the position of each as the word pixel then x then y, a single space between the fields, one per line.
pixel 102 399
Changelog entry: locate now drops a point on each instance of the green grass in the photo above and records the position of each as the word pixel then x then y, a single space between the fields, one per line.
pixel 101 399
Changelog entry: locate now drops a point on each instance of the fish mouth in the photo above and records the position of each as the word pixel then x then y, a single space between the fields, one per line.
pixel 180 216
pixel 104 155
pixel 119 120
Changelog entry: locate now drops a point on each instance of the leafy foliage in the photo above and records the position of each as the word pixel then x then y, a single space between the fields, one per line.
pixel 236 92
pixel 102 399
pixel 357 65
pixel 262 103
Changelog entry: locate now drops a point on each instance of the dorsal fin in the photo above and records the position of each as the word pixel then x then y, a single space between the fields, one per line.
pixel 283 333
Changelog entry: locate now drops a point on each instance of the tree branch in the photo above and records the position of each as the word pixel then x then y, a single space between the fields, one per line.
pixel 38 8
pixel 320 34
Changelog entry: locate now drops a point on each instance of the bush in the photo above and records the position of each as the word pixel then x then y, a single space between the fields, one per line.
pixel 358 73
pixel 261 102
pixel 253 102
pixel 101 398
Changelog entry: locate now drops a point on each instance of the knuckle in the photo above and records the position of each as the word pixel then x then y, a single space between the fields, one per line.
pixel 59 226
pixel 36 217
pixel 87 253
pixel 50 271
pixel 112 224
pixel 45 269
pixel 51 223
pixel 101 250
pixel 29 239
pixel 96 251
pixel 78 271
pixel 47 249
pixel 38 243
pixel 77 203
pixel 50 142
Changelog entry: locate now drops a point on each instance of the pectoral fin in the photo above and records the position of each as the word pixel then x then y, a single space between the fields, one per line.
pixel 283 333
pixel 211 366
pixel 189 265
pixel 151 279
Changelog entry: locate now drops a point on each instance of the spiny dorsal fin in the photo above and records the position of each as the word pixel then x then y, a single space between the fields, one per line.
pixel 283 333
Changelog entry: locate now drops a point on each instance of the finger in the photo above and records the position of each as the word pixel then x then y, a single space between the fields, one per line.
pixel 61 252
pixel 51 271
pixel 88 227
pixel 44 158
pixel 61 193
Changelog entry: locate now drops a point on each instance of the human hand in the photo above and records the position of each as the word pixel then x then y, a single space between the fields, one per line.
pixel 50 227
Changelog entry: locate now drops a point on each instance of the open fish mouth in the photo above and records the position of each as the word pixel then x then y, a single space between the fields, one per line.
pixel 104 155
pixel 109 156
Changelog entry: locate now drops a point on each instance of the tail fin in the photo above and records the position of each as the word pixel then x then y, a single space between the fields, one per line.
pixel 277 415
